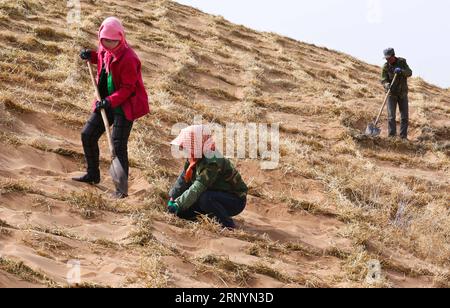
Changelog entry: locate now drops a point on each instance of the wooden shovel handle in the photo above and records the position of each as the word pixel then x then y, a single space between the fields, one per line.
pixel 385 100
pixel 103 112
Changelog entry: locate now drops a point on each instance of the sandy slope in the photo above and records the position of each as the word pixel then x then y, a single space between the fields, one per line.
pixel 337 201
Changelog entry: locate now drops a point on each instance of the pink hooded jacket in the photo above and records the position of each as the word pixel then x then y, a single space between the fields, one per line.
pixel 125 66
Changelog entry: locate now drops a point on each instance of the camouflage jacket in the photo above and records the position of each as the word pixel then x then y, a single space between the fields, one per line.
pixel 400 88
pixel 216 174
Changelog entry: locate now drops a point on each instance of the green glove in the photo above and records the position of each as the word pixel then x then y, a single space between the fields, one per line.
pixel 173 207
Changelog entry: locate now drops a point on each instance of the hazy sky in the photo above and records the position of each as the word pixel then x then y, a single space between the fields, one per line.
pixel 419 30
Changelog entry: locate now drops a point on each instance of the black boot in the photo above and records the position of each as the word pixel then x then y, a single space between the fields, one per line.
pixel 119 195
pixel 88 179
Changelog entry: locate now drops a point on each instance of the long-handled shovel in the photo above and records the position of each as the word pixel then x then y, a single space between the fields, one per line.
pixel 372 129
pixel 116 171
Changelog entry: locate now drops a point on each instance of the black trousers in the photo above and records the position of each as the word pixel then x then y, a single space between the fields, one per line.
pixel 219 205
pixel 403 105
pixel 92 132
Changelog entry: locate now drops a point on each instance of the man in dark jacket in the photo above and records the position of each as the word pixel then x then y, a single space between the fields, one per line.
pixel 399 91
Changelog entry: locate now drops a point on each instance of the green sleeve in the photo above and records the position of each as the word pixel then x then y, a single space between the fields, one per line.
pixel 407 71
pixel 190 196
pixel 179 187
pixel 385 75
pixel 205 178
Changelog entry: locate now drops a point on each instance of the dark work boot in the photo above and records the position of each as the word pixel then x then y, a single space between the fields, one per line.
pixel 119 195
pixel 89 179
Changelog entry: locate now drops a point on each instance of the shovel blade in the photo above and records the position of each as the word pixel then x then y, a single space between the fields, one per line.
pixel 119 176
pixel 372 130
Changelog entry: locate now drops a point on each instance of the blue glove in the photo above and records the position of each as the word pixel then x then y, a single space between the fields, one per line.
pixel 85 54
pixel 173 208
pixel 103 104
pixel 398 70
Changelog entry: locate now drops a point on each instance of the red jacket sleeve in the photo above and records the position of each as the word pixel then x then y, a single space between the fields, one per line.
pixel 94 57
pixel 129 77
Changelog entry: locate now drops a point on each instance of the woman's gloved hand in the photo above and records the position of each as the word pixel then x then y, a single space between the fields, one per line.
pixel 85 54
pixel 172 207
pixel 103 104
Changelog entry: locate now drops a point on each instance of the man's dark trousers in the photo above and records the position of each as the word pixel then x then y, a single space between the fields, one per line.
pixel 403 105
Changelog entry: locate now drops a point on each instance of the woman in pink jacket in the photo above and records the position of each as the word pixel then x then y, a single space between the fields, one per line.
pixel 123 96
